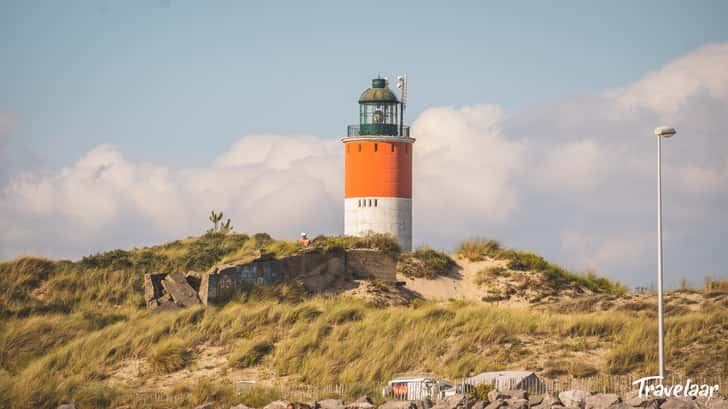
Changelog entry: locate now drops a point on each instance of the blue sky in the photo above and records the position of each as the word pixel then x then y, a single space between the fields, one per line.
pixel 124 123
pixel 176 81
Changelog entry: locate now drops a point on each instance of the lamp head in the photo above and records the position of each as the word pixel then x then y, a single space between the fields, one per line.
pixel 665 131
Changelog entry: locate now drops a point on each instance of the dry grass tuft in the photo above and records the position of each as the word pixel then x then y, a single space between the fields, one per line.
pixel 250 353
pixel 170 356
pixel 478 249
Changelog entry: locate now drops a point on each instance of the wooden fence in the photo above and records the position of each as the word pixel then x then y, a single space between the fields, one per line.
pixel 619 384
pixel 308 393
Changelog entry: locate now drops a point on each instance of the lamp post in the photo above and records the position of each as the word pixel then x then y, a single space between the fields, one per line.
pixel 661 132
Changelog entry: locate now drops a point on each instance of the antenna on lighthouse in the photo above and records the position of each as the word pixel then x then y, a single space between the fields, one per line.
pixel 402 85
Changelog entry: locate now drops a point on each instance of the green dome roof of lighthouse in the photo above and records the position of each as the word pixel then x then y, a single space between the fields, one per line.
pixel 379 92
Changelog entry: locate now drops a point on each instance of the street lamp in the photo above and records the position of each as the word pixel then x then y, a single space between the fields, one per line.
pixel 660 133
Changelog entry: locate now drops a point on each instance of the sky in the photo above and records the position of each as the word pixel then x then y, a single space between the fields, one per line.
pixel 123 124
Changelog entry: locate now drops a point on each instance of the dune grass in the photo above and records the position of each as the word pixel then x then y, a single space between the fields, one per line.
pixel 323 340
pixel 65 326
pixel 556 277
pixel 425 263
pixel 250 353
pixel 170 356
pixel 478 249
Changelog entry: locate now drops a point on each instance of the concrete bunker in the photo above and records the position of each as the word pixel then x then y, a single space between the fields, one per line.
pixel 317 269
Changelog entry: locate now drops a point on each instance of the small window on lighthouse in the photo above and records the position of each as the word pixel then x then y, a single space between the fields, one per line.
pixel 375 202
pixel 376 147
pixel 370 203
pixel 359 147
pixel 347 148
pixel 392 147
pixel 358 203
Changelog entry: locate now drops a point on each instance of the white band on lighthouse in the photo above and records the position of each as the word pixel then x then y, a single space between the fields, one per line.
pixel 392 215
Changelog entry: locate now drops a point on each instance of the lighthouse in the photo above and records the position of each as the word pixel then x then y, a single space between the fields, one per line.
pixel 378 166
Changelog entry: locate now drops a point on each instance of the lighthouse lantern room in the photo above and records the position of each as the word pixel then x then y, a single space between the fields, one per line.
pixel 378 166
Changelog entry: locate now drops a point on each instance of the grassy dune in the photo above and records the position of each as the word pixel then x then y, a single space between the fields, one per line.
pixel 521 260
pixel 333 339
pixel 66 327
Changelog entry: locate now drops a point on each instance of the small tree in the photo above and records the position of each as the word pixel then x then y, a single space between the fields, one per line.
pixel 218 227
pixel 225 227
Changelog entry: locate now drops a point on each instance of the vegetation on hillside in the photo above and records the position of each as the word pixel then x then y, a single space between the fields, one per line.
pixel 425 263
pixel 383 242
pixel 67 327
pixel 521 260
pixel 324 340
pixel 37 285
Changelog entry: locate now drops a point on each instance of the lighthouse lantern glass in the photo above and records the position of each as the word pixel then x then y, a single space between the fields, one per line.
pixel 379 118
pixel 379 110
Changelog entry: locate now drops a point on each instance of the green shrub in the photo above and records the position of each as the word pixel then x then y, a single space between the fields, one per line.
pixel 525 261
pixel 480 392
pixel 425 263
pixel 114 259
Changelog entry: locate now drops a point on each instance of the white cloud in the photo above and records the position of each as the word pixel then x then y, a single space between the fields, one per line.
pixel 592 251
pixel 463 166
pixel 104 200
pixel 699 179
pixel 669 89
pixel 574 165
pixel 573 180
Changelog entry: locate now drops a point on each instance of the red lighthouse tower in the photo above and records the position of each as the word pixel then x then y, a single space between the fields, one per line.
pixel 378 162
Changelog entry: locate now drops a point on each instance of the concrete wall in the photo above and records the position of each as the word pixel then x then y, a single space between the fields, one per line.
pixel 393 215
pixel 153 288
pixel 220 284
pixel 364 263
pixel 317 271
